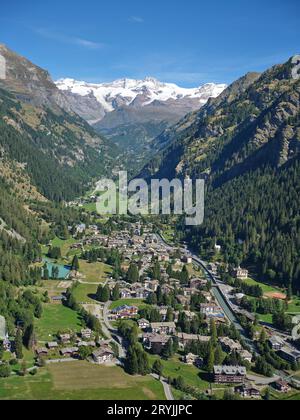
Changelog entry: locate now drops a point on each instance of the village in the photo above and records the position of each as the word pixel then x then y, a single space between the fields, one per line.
pixel 179 305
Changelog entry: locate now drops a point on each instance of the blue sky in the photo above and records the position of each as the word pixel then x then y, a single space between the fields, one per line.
pixel 188 42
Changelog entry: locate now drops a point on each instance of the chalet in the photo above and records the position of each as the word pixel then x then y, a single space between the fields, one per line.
pixel 65 338
pixel 198 283
pixel 86 344
pixel 211 310
pixel 163 328
pixel 290 354
pixel 52 345
pixel 276 342
pixel 143 324
pixel 69 352
pixel 155 342
pixel 126 294
pixel 188 291
pixel 141 293
pixel 247 391
pixel 229 345
pixel 151 285
pixel 123 312
pixel 245 355
pixel 281 386
pixel 229 374
pixel 42 352
pixel 185 339
pixel 103 355
pixel 240 273
pixel 193 359
pixel 86 334
pixel 183 300
pixel 167 289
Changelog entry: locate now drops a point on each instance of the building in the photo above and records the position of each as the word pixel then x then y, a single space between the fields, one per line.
pixel 52 345
pixel 123 312
pixel 86 334
pixel 229 374
pixel 185 339
pixel 281 386
pixel 69 352
pixel 240 273
pixel 103 355
pixel 211 310
pixel 168 328
pixel 155 342
pixel 245 355
pixel 143 324
pixel 229 345
pixel 193 359
pixel 247 391
pixel 42 352
pixel 65 338
pixel 290 354
pixel 276 342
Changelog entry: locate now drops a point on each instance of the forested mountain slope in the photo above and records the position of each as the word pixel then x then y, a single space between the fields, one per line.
pixel 60 151
pixel 246 145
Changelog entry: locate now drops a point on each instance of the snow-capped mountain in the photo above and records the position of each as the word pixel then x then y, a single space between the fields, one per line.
pixel 133 93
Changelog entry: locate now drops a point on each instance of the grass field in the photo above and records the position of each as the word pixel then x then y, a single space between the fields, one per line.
pixel 64 245
pixel 95 272
pixel 265 287
pixel 81 381
pixel 129 302
pixel 56 318
pixel 192 375
pixel 85 293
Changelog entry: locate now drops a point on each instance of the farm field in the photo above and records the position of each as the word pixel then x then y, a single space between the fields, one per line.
pixel 81 381
pixel 56 318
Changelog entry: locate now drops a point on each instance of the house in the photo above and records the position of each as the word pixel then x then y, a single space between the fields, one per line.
pixel 193 359
pixel 126 294
pixel 86 344
pixel 185 339
pixel 69 352
pixel 183 300
pixel 163 328
pixel 276 342
pixel 240 273
pixel 86 334
pixel 52 345
pixel 229 374
pixel 155 342
pixel 281 386
pixel 229 345
pixel 64 338
pixel 245 355
pixel 198 283
pixel 42 352
pixel 211 310
pixel 188 291
pixel 290 354
pixel 143 324
pixel 247 391
pixel 123 312
pixel 142 293
pixel 103 355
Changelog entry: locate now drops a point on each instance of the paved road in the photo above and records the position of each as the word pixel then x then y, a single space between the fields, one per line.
pixel 167 388
pixel 112 332
pixel 218 295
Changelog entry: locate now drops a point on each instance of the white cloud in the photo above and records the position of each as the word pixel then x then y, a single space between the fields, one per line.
pixel 71 40
pixel 136 19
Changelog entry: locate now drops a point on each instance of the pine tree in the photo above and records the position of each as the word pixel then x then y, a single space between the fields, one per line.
pixel 115 293
pixel 19 344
